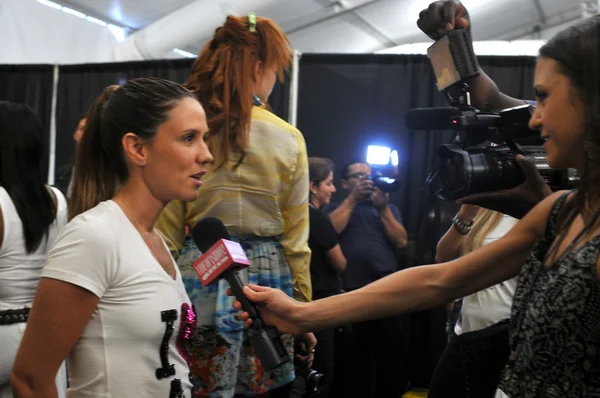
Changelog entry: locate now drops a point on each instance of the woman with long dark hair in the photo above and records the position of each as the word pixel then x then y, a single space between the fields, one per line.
pixel 258 187
pixel 31 215
pixel 554 329
pixel 111 297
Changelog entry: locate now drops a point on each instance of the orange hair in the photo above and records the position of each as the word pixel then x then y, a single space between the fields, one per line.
pixel 222 77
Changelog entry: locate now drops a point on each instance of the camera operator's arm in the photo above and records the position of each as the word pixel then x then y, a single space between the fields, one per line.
pixel 449 246
pixel 341 215
pixel 394 231
pixel 440 18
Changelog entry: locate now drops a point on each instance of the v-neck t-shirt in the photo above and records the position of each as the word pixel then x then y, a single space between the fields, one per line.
pixel 133 343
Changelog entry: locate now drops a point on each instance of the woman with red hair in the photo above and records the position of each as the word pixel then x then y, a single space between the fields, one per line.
pixel 258 186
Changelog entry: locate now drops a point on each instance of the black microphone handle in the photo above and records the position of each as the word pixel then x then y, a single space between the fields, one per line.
pixel 265 340
pixel 232 276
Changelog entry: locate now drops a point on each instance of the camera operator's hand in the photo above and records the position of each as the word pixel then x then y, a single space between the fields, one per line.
pixel 379 199
pixel 362 191
pixel 307 342
pixel 442 17
pixel 516 201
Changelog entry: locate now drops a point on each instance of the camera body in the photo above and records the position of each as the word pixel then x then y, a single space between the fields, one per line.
pixel 482 155
pixel 383 179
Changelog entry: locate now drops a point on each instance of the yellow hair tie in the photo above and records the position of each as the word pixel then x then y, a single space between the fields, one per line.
pixel 252 21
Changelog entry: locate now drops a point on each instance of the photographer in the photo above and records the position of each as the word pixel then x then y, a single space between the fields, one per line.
pixel 554 330
pixel 370 229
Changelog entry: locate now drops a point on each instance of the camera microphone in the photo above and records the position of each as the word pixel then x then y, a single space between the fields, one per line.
pixel 223 258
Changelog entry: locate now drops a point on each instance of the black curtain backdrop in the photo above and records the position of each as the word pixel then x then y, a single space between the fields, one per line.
pixel 30 85
pixel 347 102
pixel 79 85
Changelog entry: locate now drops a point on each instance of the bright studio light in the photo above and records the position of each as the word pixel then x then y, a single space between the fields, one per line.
pixel 394 157
pixel 379 155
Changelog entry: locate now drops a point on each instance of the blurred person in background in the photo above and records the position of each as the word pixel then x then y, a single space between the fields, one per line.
pixel 370 231
pixel 327 262
pixel 65 175
pixel 474 357
pixel 31 216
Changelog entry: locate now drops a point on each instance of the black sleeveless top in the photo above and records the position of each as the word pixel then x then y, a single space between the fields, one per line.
pixel 555 323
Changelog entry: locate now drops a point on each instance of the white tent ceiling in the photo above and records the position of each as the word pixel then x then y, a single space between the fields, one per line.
pixel 339 26
pixel 346 26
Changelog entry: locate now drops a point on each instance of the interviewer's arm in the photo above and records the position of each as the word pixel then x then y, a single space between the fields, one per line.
pixel 431 285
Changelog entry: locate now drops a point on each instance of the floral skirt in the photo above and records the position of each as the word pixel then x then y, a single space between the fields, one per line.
pixel 222 362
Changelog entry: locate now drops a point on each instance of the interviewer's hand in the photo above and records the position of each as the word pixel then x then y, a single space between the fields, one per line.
pixel 516 201
pixel 442 17
pixel 276 309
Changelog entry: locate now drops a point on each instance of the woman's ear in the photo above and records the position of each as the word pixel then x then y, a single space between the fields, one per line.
pixel 134 149
pixel 257 71
pixel 313 188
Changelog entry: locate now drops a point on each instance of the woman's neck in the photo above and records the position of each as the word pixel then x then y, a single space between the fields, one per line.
pixel 138 203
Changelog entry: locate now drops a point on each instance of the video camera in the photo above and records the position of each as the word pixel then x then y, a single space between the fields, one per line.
pixel 481 157
pixel 384 168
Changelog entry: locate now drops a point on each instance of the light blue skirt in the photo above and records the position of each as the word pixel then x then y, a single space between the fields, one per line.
pixel 220 357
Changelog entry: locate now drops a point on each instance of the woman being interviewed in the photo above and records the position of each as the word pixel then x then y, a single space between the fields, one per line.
pixel 258 186
pixel 111 297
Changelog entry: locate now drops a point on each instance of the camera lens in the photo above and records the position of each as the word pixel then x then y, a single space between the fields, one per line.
pixel 313 380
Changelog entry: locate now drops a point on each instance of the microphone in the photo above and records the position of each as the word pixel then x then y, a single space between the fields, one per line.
pixel 431 118
pixel 223 258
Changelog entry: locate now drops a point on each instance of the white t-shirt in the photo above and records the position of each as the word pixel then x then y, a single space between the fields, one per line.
pixel 19 270
pixel 489 306
pixel 134 334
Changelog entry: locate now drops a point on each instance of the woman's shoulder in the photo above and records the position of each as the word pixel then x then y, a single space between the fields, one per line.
pixel 262 115
pixel 98 220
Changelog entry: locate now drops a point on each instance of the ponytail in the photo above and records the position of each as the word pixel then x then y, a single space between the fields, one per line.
pixel 95 176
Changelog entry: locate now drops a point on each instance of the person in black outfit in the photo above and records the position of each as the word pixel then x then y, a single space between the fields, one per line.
pixel 326 264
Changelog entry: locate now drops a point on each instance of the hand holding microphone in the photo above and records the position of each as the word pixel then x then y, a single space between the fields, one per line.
pixel 224 258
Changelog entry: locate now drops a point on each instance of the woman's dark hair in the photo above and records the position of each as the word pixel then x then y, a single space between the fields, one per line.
pixel 140 106
pixel 21 171
pixel 319 169
pixel 222 78
pixel 577 53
